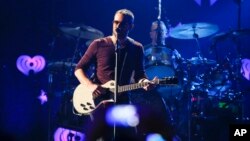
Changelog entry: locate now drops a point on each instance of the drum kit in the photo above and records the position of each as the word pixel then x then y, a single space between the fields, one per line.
pixel 209 87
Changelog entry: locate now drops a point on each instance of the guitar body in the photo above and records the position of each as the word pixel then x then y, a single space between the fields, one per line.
pixel 85 103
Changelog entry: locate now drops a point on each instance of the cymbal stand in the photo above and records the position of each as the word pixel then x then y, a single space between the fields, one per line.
pixel 76 50
pixel 197 132
pixel 189 103
pixel 238 60
pixel 71 69
pixel 238 2
pixel 50 91
pixel 196 37
pixel 194 106
pixel 188 87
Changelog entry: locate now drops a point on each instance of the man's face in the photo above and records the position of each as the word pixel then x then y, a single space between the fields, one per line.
pixel 121 26
pixel 154 33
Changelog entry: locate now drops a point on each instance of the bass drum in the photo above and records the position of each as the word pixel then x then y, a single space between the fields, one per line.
pixel 161 71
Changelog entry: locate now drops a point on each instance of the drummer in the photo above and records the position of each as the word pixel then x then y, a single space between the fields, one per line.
pixel 157 52
pixel 159 60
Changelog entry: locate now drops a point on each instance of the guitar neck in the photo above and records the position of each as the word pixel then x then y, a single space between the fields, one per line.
pixel 132 86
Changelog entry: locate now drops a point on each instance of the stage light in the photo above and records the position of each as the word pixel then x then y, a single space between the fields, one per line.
pixel 154 137
pixel 25 64
pixel 210 1
pixel 122 115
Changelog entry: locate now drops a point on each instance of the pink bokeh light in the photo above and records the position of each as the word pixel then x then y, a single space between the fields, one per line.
pixel 43 97
pixel 245 68
pixel 63 134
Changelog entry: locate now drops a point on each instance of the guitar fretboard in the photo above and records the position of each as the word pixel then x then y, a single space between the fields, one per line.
pixel 131 87
pixel 124 88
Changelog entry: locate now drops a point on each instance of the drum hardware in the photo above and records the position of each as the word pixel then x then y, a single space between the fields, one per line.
pixel 60 72
pixel 233 35
pixel 65 68
pixel 60 65
pixel 158 55
pixel 229 35
pixel 192 99
pixel 88 42
pixel 200 60
pixel 159 63
pixel 221 84
pixel 81 31
pixel 221 79
pixel 196 88
pixel 193 30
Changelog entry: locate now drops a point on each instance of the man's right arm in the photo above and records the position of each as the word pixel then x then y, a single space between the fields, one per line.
pixel 83 79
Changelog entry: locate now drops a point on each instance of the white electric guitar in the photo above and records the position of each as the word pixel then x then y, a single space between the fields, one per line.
pixel 85 103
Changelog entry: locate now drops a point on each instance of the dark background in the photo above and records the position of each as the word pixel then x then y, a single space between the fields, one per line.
pixel 29 27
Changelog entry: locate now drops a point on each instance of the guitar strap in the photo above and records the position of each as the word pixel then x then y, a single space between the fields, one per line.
pixel 123 63
pixel 127 48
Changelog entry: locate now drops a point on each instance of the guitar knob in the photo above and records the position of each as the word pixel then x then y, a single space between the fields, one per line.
pixel 83 105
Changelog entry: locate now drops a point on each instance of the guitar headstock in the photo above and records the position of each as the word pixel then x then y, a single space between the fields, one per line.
pixel 169 80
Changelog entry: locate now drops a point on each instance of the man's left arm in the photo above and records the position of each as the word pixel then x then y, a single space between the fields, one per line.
pixel 140 75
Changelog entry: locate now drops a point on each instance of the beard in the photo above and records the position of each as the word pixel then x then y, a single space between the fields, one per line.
pixel 120 35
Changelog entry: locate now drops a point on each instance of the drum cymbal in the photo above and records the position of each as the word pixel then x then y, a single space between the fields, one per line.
pixel 88 42
pixel 81 31
pixel 193 30
pixel 230 34
pixel 198 61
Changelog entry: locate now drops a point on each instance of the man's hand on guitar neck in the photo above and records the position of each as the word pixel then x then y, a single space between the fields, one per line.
pixel 151 84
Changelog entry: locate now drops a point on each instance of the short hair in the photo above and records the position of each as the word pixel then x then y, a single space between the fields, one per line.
pixel 160 25
pixel 128 15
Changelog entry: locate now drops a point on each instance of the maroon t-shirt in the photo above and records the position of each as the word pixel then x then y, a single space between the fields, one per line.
pixel 101 52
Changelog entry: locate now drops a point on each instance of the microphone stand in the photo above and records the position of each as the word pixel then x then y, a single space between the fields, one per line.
pixel 116 81
pixel 237 63
pixel 50 90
